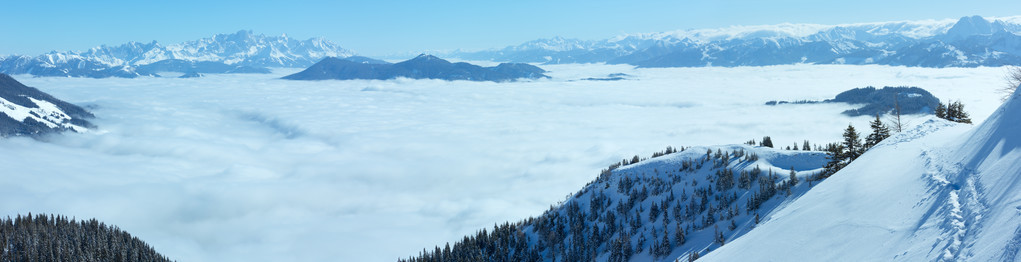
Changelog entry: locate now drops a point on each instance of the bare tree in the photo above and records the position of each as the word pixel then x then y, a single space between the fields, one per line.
pixel 1013 79
pixel 896 124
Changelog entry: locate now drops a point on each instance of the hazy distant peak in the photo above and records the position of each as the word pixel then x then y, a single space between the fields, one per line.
pixel 965 42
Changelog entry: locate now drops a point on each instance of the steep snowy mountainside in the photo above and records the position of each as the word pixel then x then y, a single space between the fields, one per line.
pixel 27 111
pixel 941 191
pixel 656 209
pixel 965 42
pixel 240 52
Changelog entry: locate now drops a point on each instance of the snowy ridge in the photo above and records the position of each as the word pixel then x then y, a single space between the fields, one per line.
pixel 966 42
pixel 672 205
pixel 939 192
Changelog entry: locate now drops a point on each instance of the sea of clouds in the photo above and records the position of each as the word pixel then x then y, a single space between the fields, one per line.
pixel 251 167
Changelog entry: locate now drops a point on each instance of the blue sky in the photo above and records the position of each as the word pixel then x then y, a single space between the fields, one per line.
pixel 385 26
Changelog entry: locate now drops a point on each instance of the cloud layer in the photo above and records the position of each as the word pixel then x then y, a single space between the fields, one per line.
pixel 249 167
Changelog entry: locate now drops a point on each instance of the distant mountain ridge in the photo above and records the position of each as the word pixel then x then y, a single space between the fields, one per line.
pixel 909 100
pixel 421 67
pixel 967 42
pixel 240 52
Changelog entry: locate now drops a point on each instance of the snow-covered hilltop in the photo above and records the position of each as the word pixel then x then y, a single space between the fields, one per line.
pixel 940 192
pixel 967 42
pixel 26 111
pixel 241 52
pixel 672 205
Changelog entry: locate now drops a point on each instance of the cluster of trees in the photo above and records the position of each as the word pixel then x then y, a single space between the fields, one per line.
pixel 57 238
pixel 768 142
pixel 953 112
pixel 841 154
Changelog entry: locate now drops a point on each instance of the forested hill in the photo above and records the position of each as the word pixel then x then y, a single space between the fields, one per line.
pixel 678 203
pixel 57 238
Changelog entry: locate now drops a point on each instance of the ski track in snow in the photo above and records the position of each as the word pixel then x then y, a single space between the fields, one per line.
pixel 958 205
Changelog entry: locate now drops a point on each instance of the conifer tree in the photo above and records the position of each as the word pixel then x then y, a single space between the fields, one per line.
pixel 794 178
pixel 836 156
pixel 941 111
pixel 879 132
pixel 679 237
pixel 852 144
pixel 767 142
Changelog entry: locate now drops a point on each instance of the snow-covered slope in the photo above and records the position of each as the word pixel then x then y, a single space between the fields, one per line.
pixel 941 191
pixel 27 111
pixel 658 209
pixel 967 42
pixel 243 51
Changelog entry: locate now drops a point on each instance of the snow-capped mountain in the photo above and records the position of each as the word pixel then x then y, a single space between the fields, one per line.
pixel 658 209
pixel 243 52
pixel 27 111
pixel 967 42
pixel 940 192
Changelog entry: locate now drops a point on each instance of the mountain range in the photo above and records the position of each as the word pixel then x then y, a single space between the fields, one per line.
pixel 240 52
pixel 967 42
pixel 421 67
pixel 26 111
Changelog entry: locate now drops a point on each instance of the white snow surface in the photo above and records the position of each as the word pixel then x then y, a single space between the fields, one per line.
pixel 940 192
pixel 251 167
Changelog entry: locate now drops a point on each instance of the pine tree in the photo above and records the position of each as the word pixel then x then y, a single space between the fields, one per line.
pixel 767 142
pixel 879 132
pixel 679 237
pixel 941 111
pixel 794 177
pixel 836 156
pixel 852 144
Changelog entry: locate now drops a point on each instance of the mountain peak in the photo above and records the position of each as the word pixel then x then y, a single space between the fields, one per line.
pixel 245 33
pixel 426 57
pixel 973 25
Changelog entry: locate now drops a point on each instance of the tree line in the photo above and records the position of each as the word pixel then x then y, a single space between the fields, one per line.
pixel 57 238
